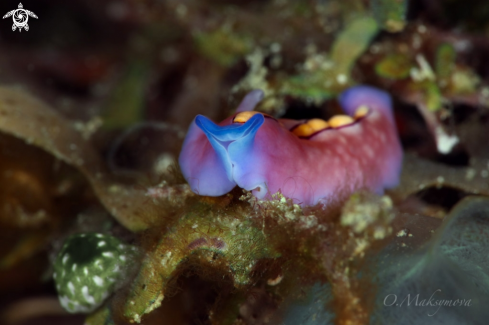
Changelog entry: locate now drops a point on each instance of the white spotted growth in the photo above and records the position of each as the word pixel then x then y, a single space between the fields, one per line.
pixel 87 269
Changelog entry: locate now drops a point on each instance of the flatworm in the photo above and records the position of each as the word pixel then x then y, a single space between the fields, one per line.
pixel 307 161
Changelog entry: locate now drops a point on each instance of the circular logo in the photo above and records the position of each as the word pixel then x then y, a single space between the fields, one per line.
pixel 20 17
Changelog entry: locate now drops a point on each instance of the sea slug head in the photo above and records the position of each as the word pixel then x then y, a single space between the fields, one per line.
pixel 211 152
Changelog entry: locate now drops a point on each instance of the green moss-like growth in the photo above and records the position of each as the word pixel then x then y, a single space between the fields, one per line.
pixel 445 60
pixel 325 75
pixel 394 66
pixel 223 46
pixel 390 14
pixel 87 269
pixel 218 239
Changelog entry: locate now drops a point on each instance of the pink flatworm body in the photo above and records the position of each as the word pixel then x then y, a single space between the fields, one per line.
pixel 307 161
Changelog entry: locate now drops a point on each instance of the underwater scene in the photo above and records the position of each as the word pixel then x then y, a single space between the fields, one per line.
pixel 244 162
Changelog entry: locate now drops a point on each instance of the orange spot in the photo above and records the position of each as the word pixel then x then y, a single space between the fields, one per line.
pixel 340 120
pixel 303 130
pixel 361 111
pixel 310 127
pixel 243 117
pixel 317 124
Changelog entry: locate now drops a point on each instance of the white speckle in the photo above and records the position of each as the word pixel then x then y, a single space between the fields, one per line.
pixel 277 280
pixel 98 235
pixel 440 179
pixel 108 254
pixel 65 302
pixel 102 243
pixel 85 270
pixel 97 264
pixel 65 258
pixel 137 318
pixel 341 78
pixel 116 268
pixel 73 306
pixel 55 275
pixel 120 246
pixel 71 287
pixel 444 142
pixel 425 72
pixel 401 233
pixel 422 29
pixel 123 258
pixel 484 173
pixel 73 268
pixel 275 47
pixel 194 226
pixel 165 259
pixel 87 296
pixel 98 281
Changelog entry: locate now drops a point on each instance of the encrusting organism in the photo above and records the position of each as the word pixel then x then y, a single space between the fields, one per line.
pixel 87 269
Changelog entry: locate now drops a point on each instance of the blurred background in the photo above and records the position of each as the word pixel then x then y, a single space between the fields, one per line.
pixel 131 76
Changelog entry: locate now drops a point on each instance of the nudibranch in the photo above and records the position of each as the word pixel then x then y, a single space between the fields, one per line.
pixel 308 161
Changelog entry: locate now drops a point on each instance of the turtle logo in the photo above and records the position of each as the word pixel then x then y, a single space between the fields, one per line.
pixel 20 17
